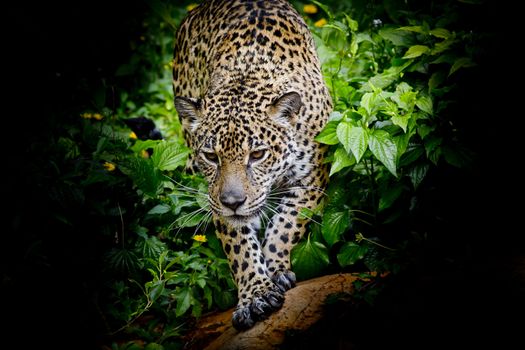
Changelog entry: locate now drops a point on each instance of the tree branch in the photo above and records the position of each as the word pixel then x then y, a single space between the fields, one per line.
pixel 302 308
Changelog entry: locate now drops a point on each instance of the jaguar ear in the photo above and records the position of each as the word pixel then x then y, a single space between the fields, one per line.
pixel 286 108
pixel 189 110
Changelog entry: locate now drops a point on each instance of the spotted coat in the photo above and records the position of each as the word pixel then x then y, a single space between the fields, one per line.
pixel 251 98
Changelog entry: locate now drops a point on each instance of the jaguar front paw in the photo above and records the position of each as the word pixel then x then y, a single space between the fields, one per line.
pixel 284 279
pixel 259 307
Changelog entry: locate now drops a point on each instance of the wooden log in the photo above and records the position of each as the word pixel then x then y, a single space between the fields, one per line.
pixel 302 308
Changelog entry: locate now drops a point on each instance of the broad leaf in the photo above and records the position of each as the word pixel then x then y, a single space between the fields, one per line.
pixel 328 135
pixel 342 159
pixel 389 196
pixel 416 51
pixel 351 253
pixel 169 155
pixel 384 79
pixel 417 174
pixel 368 102
pixel 424 103
pixel 353 138
pixel 460 63
pixel 440 33
pixel 401 120
pixel 335 223
pixel 146 176
pixel 183 298
pixel 397 37
pixel 415 29
pixel 190 219
pixel 141 145
pixel 155 289
pixel 159 209
pixel 384 149
pixel 309 259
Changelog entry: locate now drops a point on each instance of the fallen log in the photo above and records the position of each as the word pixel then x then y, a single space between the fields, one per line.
pixel 302 308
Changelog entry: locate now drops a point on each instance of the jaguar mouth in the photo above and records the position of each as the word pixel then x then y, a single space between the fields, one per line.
pixel 238 219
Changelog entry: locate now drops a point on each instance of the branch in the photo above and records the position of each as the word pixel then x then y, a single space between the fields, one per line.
pixel 302 308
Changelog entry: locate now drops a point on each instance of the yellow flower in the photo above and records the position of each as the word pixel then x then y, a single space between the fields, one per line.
pixel 109 166
pixel 320 22
pixel 98 116
pixel 200 238
pixel 86 115
pixel 144 154
pixel 132 135
pixel 191 6
pixel 310 9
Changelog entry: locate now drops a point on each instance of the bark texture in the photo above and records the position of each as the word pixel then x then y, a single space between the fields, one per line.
pixel 302 308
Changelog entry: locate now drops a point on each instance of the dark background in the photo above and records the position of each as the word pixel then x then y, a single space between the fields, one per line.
pixel 470 285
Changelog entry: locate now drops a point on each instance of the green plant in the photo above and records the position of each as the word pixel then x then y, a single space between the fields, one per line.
pixel 392 73
pixel 390 130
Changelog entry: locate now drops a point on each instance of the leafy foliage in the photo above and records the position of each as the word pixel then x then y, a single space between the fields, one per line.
pixel 389 131
pixel 392 71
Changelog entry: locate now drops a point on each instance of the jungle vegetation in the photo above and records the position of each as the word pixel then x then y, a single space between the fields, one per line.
pixel 109 241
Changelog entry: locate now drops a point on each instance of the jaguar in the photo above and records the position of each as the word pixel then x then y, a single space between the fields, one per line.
pixel 250 96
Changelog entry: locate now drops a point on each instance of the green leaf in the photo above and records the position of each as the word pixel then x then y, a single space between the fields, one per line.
pixel 443 46
pixel 384 79
pixel 417 174
pixel 151 247
pixel 224 298
pixel 441 33
pixel 208 295
pixel 196 310
pixel 325 8
pixel 406 100
pixel 159 209
pixel 401 120
pixel 141 145
pixel 328 135
pixel 384 149
pixel 352 24
pixel 413 154
pixel 436 79
pixel 457 156
pixel 190 219
pixel 169 155
pixel 401 142
pixel 424 130
pixel 461 63
pixel 145 175
pixel 368 102
pixel 397 37
pixel 155 289
pixel 309 259
pixel 415 29
pixel 342 159
pixel 201 282
pixel 416 51
pixel 154 346
pixel 389 196
pixel 432 143
pixel 183 298
pixel 424 103
pixel 335 223
pixel 353 138
pixel 351 253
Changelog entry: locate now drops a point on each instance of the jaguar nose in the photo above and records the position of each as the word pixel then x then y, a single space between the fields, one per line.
pixel 232 199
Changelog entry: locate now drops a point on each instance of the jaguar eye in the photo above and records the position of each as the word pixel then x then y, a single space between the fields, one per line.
pixel 211 157
pixel 257 155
